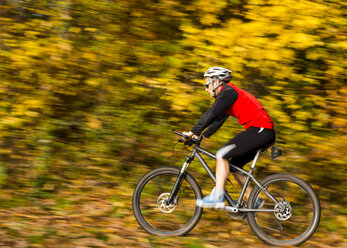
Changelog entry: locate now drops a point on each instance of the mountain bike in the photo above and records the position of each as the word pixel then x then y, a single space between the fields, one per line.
pixel 164 201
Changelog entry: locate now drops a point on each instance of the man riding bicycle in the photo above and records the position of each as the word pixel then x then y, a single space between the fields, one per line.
pixel 259 132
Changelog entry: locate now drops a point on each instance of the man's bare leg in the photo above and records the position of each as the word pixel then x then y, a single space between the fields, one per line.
pixel 241 179
pixel 222 173
pixel 216 198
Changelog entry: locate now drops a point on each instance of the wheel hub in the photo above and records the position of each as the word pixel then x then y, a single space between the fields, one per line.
pixel 162 203
pixel 284 210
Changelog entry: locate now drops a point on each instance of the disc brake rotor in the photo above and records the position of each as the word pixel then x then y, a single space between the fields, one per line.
pixel 285 213
pixel 162 203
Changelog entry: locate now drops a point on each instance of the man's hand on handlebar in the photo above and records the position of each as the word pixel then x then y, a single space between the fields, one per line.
pixel 188 138
pixel 190 135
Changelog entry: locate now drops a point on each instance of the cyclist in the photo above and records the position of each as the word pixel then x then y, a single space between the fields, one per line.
pixel 258 133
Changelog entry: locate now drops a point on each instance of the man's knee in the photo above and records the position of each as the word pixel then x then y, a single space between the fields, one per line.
pixel 222 161
pixel 224 151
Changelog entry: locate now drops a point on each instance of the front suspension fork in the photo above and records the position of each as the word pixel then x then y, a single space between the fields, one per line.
pixel 181 175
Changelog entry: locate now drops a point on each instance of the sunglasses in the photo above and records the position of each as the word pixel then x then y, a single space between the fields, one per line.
pixel 207 84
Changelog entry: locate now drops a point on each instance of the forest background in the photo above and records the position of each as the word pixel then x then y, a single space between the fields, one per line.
pixel 91 89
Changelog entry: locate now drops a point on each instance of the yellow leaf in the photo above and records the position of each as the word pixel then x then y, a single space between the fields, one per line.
pixel 76 30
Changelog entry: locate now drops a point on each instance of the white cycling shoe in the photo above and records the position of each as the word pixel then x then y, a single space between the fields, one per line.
pixel 213 200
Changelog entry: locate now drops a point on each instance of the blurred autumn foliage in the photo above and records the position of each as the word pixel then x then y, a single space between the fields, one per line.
pixel 90 90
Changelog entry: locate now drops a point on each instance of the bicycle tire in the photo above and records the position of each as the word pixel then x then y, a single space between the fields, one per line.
pixel 167 175
pixel 284 222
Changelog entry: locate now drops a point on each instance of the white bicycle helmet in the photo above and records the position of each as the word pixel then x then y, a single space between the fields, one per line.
pixel 219 72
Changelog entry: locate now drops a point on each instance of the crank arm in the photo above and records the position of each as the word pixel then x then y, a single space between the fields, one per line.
pixel 231 209
pixel 258 210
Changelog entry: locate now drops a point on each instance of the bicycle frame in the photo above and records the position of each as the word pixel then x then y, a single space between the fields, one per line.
pixel 197 151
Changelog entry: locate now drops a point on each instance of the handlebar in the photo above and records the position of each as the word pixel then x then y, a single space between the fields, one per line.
pixel 196 141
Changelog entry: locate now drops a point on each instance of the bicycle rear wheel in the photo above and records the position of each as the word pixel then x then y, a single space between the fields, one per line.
pixel 299 217
pixel 152 211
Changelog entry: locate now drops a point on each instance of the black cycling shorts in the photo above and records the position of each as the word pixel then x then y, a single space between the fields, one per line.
pixel 243 147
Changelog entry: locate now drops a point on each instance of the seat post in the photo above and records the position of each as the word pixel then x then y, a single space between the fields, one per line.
pixel 255 159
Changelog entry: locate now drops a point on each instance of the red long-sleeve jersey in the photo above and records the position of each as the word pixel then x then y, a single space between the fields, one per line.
pixel 238 103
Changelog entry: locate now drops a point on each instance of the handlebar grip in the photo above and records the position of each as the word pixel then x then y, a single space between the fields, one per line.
pixel 184 136
pixel 180 134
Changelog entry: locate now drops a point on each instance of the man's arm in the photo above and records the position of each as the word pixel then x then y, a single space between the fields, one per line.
pixel 215 125
pixel 224 100
pixel 199 126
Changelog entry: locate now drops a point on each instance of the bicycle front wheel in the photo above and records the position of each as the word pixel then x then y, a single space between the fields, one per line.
pixel 152 211
pixel 298 211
